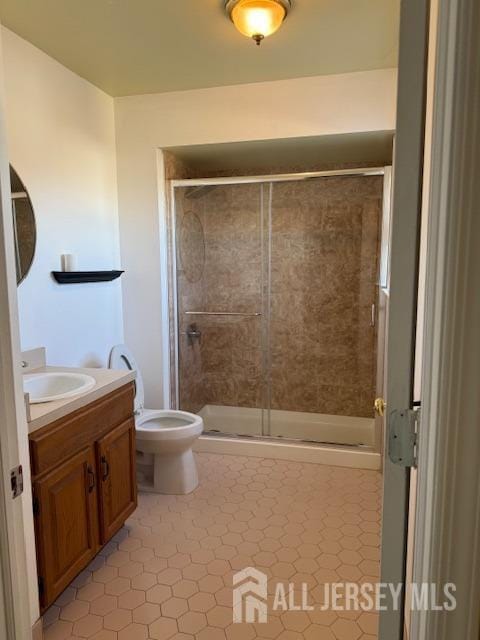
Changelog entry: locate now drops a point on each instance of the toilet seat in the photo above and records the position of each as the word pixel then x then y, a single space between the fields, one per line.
pixel 149 425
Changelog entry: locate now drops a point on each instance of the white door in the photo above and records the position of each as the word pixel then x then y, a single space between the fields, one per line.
pixel 405 225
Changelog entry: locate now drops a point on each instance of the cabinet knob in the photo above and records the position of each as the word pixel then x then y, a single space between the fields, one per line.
pixel 91 479
pixel 105 468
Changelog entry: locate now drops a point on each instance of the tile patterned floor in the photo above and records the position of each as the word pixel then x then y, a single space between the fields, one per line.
pixel 167 575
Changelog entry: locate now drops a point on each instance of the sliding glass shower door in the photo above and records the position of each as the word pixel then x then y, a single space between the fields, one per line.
pixel 276 286
pixel 323 285
pixel 220 305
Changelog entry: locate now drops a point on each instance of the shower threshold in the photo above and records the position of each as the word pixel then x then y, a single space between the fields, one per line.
pixel 307 437
pixel 323 443
pixel 292 425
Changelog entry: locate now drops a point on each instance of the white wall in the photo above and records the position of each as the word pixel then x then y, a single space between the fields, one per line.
pixel 61 139
pixel 327 105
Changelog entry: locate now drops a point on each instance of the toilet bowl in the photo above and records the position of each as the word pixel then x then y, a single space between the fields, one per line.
pixel 164 438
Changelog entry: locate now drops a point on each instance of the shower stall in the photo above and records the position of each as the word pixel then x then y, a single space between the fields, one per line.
pixel 273 305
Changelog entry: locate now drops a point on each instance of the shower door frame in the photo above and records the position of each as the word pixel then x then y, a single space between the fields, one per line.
pixel 171 252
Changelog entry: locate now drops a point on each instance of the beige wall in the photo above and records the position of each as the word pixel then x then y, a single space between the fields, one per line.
pixel 329 105
pixel 61 142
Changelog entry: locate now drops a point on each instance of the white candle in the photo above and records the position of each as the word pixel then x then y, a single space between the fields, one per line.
pixel 68 262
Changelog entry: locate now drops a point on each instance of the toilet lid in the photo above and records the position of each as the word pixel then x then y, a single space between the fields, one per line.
pixel 122 358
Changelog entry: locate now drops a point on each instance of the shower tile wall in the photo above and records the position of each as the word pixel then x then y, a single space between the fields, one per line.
pixel 325 236
pixel 324 262
pixel 190 295
pixel 232 348
pixel 225 368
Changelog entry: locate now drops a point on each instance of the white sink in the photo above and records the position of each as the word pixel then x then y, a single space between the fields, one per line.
pixel 48 387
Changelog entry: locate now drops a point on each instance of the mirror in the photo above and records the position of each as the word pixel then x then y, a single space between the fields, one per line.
pixel 24 229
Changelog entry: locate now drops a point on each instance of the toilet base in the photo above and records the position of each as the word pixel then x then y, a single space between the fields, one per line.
pixel 173 474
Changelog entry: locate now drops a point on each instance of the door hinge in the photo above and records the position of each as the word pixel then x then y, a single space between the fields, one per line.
pixel 403 436
pixel 16 481
pixel 41 585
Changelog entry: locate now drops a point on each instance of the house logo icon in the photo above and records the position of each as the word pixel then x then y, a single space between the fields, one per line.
pixel 249 596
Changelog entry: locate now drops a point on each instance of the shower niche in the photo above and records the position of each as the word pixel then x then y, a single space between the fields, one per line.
pixel 274 297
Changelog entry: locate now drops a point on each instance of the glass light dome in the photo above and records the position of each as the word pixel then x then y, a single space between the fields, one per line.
pixel 258 19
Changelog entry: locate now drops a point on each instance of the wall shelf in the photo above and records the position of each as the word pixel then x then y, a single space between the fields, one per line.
pixel 77 277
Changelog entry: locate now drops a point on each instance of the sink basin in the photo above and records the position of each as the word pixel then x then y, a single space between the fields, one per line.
pixel 48 387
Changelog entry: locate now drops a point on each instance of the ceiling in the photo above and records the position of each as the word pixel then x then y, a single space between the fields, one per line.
pixel 129 47
pixel 285 155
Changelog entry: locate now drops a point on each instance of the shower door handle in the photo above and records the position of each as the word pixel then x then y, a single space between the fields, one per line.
pixel 193 333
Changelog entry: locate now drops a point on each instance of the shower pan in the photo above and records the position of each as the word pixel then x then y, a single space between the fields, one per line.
pixel 273 298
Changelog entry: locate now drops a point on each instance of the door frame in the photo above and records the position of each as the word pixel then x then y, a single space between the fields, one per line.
pixel 17 559
pixel 402 300
pixel 447 536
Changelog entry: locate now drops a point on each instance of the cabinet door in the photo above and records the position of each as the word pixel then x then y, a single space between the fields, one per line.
pixel 66 523
pixel 117 478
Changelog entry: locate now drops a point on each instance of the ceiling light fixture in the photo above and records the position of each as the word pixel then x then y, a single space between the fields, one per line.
pixel 257 19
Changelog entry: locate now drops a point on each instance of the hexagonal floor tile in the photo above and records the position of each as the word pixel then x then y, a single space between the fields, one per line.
pixel 169 573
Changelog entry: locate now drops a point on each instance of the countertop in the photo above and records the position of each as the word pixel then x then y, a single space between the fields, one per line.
pixel 107 380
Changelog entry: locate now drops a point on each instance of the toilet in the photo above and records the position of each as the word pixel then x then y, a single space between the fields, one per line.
pixel 164 438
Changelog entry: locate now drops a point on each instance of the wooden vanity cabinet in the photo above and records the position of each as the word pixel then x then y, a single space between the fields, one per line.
pixel 117 483
pixel 84 486
pixel 66 523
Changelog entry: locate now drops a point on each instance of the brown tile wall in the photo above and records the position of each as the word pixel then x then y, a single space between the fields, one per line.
pixel 190 296
pixel 324 257
pixel 324 273
pixel 226 367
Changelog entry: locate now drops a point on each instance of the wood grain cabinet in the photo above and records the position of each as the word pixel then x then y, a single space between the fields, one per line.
pixel 84 487
pixel 116 473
